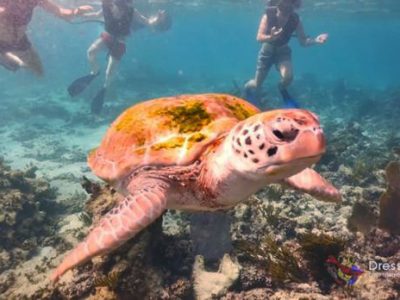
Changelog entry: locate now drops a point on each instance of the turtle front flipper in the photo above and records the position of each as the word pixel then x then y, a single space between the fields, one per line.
pixel 134 213
pixel 310 182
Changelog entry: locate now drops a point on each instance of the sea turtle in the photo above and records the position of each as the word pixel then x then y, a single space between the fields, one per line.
pixel 198 153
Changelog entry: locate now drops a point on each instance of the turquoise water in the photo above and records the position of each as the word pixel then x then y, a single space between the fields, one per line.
pixel 214 44
pixel 352 82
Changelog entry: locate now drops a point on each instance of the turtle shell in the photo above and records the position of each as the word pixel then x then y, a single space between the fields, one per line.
pixel 165 132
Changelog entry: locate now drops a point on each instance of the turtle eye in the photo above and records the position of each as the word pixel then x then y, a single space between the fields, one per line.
pixel 287 135
pixel 278 134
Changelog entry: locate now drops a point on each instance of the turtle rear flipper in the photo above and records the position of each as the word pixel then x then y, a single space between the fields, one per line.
pixel 310 182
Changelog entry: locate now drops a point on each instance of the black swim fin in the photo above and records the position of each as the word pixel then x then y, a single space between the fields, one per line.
pixel 98 101
pixel 80 84
pixel 288 100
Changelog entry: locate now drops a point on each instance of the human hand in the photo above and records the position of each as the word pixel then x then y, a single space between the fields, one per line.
pixel 322 38
pixel 161 22
pixel 276 32
pixel 83 9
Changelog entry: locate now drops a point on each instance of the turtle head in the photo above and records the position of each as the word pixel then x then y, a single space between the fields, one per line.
pixel 276 144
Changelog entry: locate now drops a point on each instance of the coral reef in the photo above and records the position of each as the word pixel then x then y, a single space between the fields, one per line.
pixel 389 218
pixel 28 213
pixel 25 205
pixel 277 260
pixel 208 285
pixel 281 238
pixel 316 249
pixel 362 218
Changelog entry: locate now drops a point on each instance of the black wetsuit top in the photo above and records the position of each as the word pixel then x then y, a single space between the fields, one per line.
pixel 118 27
pixel 288 29
pixel 19 12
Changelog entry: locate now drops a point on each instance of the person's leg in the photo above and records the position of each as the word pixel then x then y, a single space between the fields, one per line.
pixel 29 59
pixel 98 100
pixel 117 50
pixel 285 67
pixel 264 63
pixel 10 61
pixel 112 67
pixel 286 72
pixel 92 52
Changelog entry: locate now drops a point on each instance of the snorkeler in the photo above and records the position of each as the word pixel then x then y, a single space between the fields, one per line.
pixel 277 26
pixel 120 18
pixel 16 51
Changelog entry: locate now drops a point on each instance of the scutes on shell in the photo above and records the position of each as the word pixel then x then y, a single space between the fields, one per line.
pixel 166 131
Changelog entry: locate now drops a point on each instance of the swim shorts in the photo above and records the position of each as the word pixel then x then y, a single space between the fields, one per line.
pixel 272 55
pixel 116 47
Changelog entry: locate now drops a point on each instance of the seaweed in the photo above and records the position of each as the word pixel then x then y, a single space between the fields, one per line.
pixel 316 249
pixel 110 280
pixel 274 192
pixel 85 218
pixel 361 169
pixel 270 214
pixel 91 188
pixel 279 261
pixel 30 170
pixel 389 202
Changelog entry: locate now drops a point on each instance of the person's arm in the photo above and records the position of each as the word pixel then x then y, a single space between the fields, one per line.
pixel 64 13
pixel 306 41
pixel 262 37
pixel 93 15
pixel 141 19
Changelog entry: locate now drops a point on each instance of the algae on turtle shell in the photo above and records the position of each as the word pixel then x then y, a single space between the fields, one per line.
pixel 191 117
